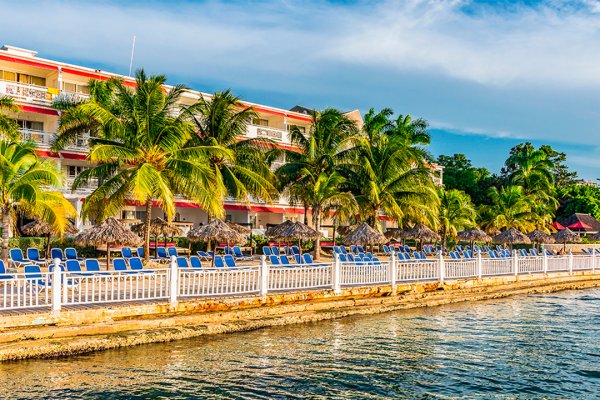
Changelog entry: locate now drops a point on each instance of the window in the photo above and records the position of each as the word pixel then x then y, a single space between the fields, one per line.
pixel 260 122
pixel 74 170
pixel 301 128
pixel 8 76
pixel 33 125
pixel 76 88
pixel 23 78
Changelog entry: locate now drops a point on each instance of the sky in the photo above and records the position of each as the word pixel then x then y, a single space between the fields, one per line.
pixel 486 75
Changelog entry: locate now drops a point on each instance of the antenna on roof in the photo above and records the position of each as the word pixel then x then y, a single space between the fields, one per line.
pixel 132 51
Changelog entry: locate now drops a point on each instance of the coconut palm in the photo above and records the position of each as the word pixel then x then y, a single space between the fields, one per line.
pixel 24 182
pixel 222 120
pixel 530 169
pixel 456 212
pixel 388 174
pixel 142 152
pixel 510 208
pixel 8 125
pixel 319 152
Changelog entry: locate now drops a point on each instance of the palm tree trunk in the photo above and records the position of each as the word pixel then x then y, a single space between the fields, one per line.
pixel 5 229
pixel 305 214
pixel 317 217
pixel 48 246
pixel 147 230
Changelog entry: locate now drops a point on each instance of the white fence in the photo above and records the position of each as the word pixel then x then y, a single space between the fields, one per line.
pixel 53 290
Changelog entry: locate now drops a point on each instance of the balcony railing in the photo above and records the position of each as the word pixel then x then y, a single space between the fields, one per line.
pixel 88 188
pixel 45 139
pixel 37 94
pixel 265 132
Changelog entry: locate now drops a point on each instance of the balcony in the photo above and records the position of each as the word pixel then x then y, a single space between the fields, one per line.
pixel 28 93
pixel 265 132
pixel 45 139
pixel 87 189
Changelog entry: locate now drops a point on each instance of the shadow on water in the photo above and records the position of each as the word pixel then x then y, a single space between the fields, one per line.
pixel 544 346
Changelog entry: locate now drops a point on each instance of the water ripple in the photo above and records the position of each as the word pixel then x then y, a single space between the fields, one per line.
pixel 544 346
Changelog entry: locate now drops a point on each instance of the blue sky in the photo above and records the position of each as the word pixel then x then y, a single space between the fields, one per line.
pixel 486 75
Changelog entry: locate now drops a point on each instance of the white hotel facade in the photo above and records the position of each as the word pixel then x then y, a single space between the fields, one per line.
pixel 35 82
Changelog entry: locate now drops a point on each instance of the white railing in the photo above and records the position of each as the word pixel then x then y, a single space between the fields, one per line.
pixel 309 276
pixel 364 273
pixel 45 139
pixel 114 286
pixel 265 132
pixel 218 281
pixel 24 92
pixel 58 288
pixel 418 271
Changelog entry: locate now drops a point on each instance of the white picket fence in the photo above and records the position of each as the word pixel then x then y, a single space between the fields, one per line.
pixel 56 289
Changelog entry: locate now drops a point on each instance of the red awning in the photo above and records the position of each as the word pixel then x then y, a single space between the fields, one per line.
pixel 579 225
pixel 557 226
pixel 73 156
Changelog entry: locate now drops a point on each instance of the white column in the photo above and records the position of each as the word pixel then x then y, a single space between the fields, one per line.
pixel 479 265
pixel 593 260
pixel 174 284
pixel 56 288
pixel 337 287
pixel 264 277
pixel 60 79
pixel 515 263
pixel 393 268
pixel 442 266
pixel 545 261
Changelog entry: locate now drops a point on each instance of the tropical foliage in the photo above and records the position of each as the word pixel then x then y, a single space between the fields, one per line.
pixel 8 126
pixel 456 212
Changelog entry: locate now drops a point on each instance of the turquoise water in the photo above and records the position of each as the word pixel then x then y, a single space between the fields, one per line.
pixel 543 346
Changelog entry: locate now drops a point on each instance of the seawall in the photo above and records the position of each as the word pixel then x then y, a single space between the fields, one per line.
pixel 81 330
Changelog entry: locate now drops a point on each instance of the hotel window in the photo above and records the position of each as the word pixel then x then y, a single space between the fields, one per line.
pixel 74 170
pixel 33 125
pixel 76 88
pixel 31 79
pixel 260 122
pixel 8 76
pixel 301 128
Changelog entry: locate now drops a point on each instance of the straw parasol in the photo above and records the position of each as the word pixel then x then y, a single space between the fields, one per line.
pixel 216 230
pixel 158 227
pixel 566 235
pixel 393 233
pixel 242 230
pixel 364 235
pixel 421 233
pixel 289 230
pixel 108 232
pixel 511 236
pixel 345 230
pixel 37 227
pixel 474 235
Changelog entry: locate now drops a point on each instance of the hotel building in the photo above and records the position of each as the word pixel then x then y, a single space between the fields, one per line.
pixel 35 82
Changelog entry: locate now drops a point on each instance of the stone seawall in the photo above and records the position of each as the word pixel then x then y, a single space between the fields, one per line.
pixel 77 331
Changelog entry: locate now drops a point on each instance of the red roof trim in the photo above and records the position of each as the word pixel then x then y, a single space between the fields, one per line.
pixel 28 62
pixel 39 110
pixel 73 156
pixel 268 209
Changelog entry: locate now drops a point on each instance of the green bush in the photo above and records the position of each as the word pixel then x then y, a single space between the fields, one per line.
pixel 40 243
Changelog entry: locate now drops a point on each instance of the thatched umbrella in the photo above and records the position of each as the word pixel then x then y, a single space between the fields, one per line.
pixel 566 235
pixel 37 227
pixel 108 232
pixel 242 230
pixel 345 230
pixel 421 233
pixel 393 233
pixel 539 236
pixel 511 236
pixel 158 227
pixel 474 235
pixel 289 230
pixel 216 230
pixel 364 235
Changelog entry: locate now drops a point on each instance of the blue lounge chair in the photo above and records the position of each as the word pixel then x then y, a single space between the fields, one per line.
pixel 298 258
pixel 172 251
pixel 127 253
pixel 336 250
pixel 343 250
pixel 267 251
pixel 274 260
pixel 74 268
pixel 219 263
pixel 3 272
pixel 161 254
pixel 195 262
pixel 140 252
pixel 33 273
pixel 295 250
pixel 229 261
pixel 70 283
pixel 120 265
pixel 275 251
pixel 57 253
pixel 343 258
pixel 17 259
pixel 33 254
pixel 284 260
pixel 182 262
pixel 205 256
pixel 71 254
pixel 92 265
pixel 386 249
pixel 228 250
pixel 136 265
pixel 533 252
pixel 360 249
pixel 239 255
pixel 353 249
pixel 307 258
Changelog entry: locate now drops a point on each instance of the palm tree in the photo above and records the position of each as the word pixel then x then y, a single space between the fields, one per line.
pixel 8 126
pixel 325 195
pixel 510 208
pixel 24 182
pixel 222 121
pixel 531 169
pixel 414 132
pixel 319 152
pixel 456 212
pixel 142 152
pixel 388 174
